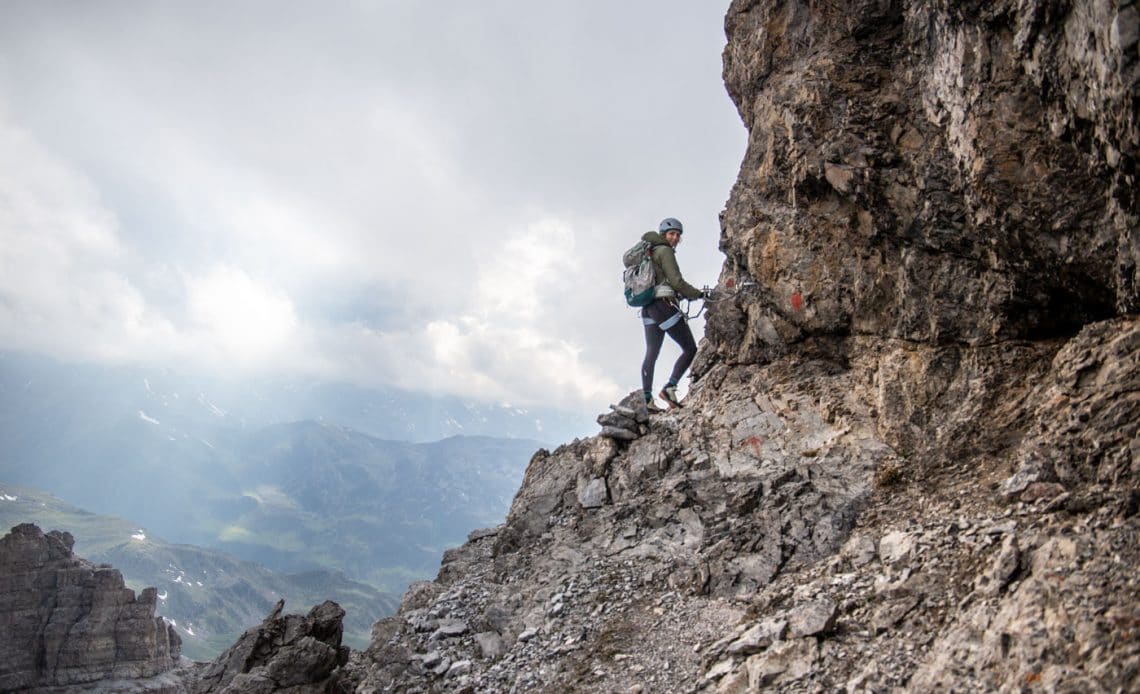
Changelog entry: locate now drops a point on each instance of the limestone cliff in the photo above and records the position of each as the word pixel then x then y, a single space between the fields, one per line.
pixel 69 626
pixel 909 458
pixel 65 622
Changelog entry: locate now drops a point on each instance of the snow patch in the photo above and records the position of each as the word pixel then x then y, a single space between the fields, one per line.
pixel 190 631
pixel 140 536
pixel 163 595
pixel 143 416
pixel 217 411
pixel 8 497
pixel 146 382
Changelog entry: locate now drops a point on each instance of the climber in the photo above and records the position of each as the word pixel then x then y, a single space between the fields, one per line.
pixel 665 316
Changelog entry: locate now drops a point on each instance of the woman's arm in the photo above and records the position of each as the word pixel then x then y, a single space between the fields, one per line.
pixel 667 261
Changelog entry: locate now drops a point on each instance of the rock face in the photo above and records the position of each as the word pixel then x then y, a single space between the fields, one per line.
pixel 64 621
pixel 909 458
pixel 66 625
pixel 292 653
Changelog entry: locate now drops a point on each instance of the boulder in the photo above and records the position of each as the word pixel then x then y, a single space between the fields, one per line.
pixel 283 652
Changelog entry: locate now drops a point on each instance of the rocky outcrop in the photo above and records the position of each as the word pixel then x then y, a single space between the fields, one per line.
pixel 909 458
pixel 69 626
pixel 66 622
pixel 292 653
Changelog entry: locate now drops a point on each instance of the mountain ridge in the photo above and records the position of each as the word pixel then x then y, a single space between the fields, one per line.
pixel 267 492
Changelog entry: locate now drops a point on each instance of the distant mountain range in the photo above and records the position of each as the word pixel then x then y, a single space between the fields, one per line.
pixel 42 392
pixel 210 596
pixel 211 465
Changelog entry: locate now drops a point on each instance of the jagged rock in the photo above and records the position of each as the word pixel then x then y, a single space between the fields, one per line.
pixel 599 455
pixel 618 433
pixel 719 670
pixel 812 618
pixel 859 550
pixel 593 494
pixel 889 614
pixel 785 661
pixel 1086 426
pixel 490 645
pixel 625 421
pixel 895 547
pixel 458 668
pixel 283 652
pixel 614 419
pixel 421 594
pixel 759 637
pixel 449 628
pixel 1041 490
pixel 66 622
pixel 633 405
pixel 481 534
pixel 1001 570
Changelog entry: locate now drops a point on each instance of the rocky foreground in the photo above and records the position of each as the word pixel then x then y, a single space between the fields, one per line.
pixel 768 539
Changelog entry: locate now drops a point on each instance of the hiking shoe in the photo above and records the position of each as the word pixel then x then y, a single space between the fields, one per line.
pixel 669 395
pixel 653 407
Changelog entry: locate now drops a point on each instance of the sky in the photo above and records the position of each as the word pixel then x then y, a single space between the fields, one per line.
pixel 428 196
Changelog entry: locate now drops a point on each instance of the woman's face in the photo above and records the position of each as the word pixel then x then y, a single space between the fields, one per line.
pixel 673 237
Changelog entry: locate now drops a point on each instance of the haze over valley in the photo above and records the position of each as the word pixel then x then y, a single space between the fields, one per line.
pixel 256 490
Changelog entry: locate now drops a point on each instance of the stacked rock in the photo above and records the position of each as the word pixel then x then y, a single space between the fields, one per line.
pixel 626 420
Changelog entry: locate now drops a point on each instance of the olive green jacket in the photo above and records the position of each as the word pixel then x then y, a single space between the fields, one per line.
pixel 665 265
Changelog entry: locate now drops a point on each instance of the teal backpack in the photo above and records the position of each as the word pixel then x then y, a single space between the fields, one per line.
pixel 639 277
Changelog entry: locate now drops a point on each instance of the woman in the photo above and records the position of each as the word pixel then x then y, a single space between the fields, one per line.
pixel 663 316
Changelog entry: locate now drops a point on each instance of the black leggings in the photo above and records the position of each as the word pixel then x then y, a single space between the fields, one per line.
pixel 661 312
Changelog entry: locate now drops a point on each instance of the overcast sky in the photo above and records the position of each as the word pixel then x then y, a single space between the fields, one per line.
pixel 432 196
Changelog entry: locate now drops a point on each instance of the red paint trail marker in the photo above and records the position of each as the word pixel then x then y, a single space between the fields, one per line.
pixel 755 443
pixel 797 301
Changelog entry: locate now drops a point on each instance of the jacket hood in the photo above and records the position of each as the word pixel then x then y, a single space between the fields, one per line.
pixel 654 238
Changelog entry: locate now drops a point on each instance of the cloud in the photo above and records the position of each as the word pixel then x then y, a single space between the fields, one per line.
pixel 375 193
pixel 240 318
pixel 527 271
pixel 62 264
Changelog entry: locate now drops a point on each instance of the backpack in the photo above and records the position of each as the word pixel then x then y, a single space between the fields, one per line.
pixel 639 277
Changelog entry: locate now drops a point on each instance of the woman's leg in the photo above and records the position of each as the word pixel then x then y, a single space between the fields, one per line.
pixel 683 336
pixel 654 337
